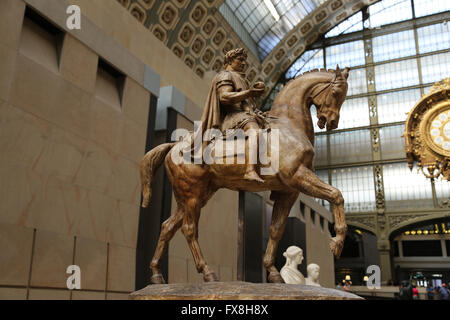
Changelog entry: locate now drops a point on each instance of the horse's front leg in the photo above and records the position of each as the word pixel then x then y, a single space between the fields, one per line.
pixel 307 182
pixel 282 206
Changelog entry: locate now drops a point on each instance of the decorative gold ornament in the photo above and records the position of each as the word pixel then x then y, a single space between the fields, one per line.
pixel 427 132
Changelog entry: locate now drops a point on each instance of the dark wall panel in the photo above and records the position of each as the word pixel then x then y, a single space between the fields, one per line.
pixel 151 218
pixel 148 229
pixel 422 248
pixel 253 224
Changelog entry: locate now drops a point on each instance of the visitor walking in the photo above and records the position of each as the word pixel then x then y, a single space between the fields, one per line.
pixel 442 292
pixel 430 291
pixel 415 293
pixel 405 292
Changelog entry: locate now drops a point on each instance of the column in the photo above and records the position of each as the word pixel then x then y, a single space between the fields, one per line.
pixel 384 251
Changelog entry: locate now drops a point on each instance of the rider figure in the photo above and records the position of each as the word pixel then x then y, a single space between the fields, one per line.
pixel 230 104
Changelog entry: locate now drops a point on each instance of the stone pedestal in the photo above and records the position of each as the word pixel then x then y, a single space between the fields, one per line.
pixel 239 291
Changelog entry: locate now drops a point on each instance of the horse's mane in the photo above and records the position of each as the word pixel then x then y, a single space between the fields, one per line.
pixel 331 71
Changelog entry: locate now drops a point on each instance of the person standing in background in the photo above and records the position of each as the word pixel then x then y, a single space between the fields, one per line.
pixel 430 291
pixel 444 292
pixel 405 292
pixel 415 293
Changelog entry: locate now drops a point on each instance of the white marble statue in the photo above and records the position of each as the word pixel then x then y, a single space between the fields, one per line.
pixel 290 273
pixel 313 275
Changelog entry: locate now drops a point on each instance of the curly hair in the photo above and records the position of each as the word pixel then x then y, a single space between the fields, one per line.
pixel 233 54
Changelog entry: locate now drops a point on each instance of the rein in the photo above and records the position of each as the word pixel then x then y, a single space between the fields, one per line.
pixel 326 87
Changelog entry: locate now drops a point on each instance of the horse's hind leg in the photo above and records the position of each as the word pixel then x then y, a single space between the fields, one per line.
pixel 190 231
pixel 282 207
pixel 168 229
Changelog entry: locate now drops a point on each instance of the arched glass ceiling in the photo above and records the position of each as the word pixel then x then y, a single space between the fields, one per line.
pixel 389 11
pixel 381 13
pixel 268 21
pixel 352 24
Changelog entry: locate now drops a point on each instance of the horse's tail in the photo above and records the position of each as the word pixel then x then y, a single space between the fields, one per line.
pixel 149 163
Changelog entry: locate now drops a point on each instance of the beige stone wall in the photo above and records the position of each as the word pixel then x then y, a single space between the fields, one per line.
pixel 69 179
pixel 318 249
pixel 142 43
pixel 217 236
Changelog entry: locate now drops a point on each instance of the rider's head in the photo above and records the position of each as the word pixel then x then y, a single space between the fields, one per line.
pixel 236 59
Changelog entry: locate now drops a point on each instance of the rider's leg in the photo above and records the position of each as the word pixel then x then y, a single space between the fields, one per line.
pixel 250 173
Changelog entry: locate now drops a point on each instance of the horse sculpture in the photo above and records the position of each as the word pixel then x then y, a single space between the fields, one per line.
pixel 194 184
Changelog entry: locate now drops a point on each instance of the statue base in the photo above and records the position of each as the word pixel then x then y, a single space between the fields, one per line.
pixel 239 291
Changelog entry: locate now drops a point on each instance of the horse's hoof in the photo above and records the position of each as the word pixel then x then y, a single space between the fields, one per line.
pixel 157 279
pixel 275 277
pixel 336 246
pixel 210 277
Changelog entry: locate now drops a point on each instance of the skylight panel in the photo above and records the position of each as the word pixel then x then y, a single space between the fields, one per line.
pixel 259 17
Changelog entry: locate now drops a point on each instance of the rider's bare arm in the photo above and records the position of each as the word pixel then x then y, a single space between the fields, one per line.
pixel 229 97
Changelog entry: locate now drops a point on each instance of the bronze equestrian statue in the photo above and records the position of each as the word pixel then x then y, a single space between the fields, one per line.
pixel 230 105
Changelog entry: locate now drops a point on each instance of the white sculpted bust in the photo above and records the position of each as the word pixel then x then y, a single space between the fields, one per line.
pixel 313 275
pixel 290 273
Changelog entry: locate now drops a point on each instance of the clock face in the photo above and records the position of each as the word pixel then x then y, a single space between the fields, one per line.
pixel 435 127
pixel 440 130
pixel 427 132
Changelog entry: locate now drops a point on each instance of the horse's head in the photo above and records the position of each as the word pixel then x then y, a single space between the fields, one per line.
pixel 329 96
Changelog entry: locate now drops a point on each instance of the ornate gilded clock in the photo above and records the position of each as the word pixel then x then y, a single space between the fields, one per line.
pixel 427 132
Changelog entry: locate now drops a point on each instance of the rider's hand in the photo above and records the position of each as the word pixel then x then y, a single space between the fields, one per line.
pixel 259 85
pixel 257 90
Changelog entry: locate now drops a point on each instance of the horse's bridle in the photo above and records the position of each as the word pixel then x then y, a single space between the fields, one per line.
pixel 326 87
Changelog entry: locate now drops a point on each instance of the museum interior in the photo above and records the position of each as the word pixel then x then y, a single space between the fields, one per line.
pixel 81 105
